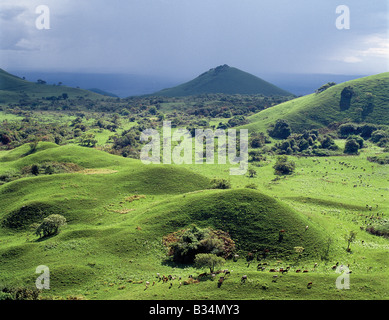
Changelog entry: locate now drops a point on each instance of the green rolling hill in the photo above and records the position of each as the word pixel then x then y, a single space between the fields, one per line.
pixel 13 89
pixel 227 80
pixel 368 102
pixel 119 209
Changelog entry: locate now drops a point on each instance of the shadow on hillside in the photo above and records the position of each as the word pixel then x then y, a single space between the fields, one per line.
pixel 44 238
pixel 172 264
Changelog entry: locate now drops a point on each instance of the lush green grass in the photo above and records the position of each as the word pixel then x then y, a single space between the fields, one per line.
pixel 111 245
pixel 224 79
pixel 320 109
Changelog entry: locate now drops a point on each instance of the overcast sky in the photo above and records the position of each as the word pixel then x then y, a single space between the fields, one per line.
pixel 184 38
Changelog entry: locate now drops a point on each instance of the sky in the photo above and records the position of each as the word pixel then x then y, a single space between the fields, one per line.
pixel 184 38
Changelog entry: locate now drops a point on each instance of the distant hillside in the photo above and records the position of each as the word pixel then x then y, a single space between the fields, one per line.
pixel 102 92
pixel 224 79
pixel 13 89
pixel 361 100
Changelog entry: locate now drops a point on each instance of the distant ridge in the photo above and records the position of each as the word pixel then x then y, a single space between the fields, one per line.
pixel 13 89
pixel 224 79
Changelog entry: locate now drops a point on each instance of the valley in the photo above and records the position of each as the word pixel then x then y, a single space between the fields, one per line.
pixel 292 233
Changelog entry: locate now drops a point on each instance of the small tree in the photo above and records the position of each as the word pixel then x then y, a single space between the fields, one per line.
pixel 50 225
pixel 252 173
pixel 208 260
pixel 350 238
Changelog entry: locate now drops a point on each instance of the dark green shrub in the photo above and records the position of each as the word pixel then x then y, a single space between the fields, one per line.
pixel 280 130
pixel 284 166
pixel 377 135
pixel 347 129
pixel 185 244
pixel 358 139
pixel 220 183
pixel 328 143
pixel 50 225
pixel 351 147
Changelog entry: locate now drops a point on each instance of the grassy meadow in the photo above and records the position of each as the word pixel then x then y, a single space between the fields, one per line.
pixel 118 211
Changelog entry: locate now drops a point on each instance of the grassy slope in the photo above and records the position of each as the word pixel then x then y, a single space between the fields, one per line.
pixel 226 80
pixel 318 110
pixel 13 88
pixel 111 245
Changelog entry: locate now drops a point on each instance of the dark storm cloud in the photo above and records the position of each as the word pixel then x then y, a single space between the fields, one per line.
pixel 187 37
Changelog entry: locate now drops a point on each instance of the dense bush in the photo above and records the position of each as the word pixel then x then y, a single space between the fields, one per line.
pixel 351 147
pixel 280 130
pixel 358 139
pixel 379 230
pixel 347 129
pixel 377 135
pixel 220 183
pixel 185 244
pixel 18 293
pixel 50 225
pixel 328 143
pixel 284 166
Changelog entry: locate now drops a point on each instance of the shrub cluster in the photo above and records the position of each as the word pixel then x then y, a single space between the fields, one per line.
pixel 184 245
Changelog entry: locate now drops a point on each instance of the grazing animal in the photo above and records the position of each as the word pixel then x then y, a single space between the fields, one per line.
pixel 272 270
pixel 309 285
pixel 202 275
pixel 298 270
pixel 244 278
pixel 305 271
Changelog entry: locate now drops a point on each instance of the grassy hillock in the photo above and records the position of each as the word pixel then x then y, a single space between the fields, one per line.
pixel 227 80
pixel 369 103
pixel 230 211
